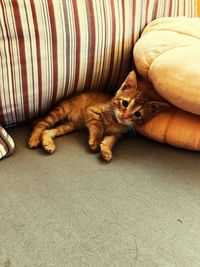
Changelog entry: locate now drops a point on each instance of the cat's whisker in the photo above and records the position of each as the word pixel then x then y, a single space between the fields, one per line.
pixel 131 130
pixel 134 130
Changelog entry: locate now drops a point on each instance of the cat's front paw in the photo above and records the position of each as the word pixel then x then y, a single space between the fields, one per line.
pixel 33 142
pixel 106 153
pixel 94 145
pixel 47 143
pixel 49 147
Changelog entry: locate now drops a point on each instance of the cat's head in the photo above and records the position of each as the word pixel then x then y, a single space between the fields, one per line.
pixel 135 106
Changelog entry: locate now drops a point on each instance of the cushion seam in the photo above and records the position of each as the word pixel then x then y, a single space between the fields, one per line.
pixel 167 126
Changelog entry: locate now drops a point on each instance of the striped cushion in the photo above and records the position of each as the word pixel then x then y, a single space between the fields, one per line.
pixel 7 145
pixel 52 48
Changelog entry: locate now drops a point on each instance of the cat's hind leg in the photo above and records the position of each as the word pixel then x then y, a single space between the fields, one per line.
pixel 57 114
pixel 49 135
pixel 107 145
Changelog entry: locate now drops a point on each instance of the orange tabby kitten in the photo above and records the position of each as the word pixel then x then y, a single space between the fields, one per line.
pixel 106 118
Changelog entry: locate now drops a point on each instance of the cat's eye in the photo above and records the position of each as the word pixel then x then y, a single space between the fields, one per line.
pixel 137 114
pixel 125 103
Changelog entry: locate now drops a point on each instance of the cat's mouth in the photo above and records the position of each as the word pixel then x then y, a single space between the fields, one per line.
pixel 127 121
pixel 121 120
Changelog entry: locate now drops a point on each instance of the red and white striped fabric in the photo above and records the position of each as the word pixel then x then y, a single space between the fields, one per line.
pixel 52 48
pixel 7 145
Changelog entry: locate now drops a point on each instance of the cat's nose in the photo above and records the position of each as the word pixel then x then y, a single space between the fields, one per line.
pixel 125 116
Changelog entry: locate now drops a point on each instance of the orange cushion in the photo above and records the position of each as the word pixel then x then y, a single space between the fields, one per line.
pixel 175 127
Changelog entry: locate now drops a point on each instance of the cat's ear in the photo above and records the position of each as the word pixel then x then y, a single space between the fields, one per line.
pixel 158 106
pixel 130 81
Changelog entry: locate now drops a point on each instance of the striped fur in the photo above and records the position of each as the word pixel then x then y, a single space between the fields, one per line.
pixel 52 48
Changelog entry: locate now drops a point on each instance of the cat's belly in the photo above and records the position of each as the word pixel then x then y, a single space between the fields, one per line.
pixel 77 118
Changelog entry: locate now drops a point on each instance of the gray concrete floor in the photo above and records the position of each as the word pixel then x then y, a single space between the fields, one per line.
pixel 72 209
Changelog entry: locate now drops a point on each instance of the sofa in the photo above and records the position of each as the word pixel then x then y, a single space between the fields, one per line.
pixel 51 49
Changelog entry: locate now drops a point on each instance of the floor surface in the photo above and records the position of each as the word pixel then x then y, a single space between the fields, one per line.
pixel 72 209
